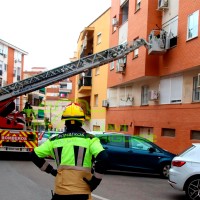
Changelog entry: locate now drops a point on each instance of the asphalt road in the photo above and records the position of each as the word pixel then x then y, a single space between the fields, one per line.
pixel 21 180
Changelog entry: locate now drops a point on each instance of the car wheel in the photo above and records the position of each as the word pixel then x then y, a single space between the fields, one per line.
pixel 164 170
pixel 192 188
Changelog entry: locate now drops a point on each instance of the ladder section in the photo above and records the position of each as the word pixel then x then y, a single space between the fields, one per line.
pixel 65 71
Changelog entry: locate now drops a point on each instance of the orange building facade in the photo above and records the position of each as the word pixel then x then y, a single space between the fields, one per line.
pixel 156 95
pixel 91 87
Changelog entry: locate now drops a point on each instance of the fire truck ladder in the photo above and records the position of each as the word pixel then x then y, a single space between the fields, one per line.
pixel 65 71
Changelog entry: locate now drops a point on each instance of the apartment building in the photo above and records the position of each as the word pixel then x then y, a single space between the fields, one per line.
pixel 48 103
pixel 58 96
pixel 156 93
pixel 91 85
pixel 11 66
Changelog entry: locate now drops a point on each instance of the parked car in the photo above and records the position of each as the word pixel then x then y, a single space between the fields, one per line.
pixel 185 172
pixel 45 135
pixel 136 154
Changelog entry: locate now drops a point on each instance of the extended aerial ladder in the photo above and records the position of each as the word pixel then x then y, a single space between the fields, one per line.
pixel 65 71
pixel 10 92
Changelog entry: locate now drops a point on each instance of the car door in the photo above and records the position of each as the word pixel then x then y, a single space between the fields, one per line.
pixel 143 155
pixel 116 147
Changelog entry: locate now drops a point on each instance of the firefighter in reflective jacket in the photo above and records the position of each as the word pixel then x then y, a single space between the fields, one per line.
pixel 80 157
pixel 29 112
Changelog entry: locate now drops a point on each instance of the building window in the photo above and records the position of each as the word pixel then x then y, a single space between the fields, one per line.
pixel 97 70
pixel 124 12
pixel 195 135
pixel 144 95
pixel 18 73
pixel 5 67
pixel 112 96
pixel 192 29
pixel 5 51
pixel 96 128
pixel 112 65
pixel 62 86
pixel 14 72
pixel 126 96
pixel 137 6
pixel 111 127
pixel 196 91
pixel 98 38
pixel 96 100
pixel 124 128
pixel 167 132
pixel 1 68
pixel 63 94
pixel 17 104
pixel 1 49
pixel 171 28
pixel 136 51
pixel 171 90
pixel 114 23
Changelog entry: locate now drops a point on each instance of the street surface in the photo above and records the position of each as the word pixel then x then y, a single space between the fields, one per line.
pixel 21 180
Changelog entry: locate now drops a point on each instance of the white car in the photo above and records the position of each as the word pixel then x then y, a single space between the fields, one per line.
pixel 95 132
pixel 184 173
pixel 45 135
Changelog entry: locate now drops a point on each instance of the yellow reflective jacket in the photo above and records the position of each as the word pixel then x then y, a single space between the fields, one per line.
pixel 29 112
pixel 73 153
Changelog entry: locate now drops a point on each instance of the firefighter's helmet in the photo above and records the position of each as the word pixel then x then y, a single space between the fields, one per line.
pixel 73 111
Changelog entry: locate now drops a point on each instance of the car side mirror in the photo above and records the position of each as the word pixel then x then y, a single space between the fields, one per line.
pixel 151 150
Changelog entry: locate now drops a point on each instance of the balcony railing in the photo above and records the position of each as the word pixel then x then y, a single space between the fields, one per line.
pixel 85 81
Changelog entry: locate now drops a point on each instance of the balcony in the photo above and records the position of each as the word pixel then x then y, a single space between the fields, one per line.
pixel 85 84
pixel 65 87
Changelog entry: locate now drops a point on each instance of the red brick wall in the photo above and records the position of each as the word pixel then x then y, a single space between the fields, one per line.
pixel 10 67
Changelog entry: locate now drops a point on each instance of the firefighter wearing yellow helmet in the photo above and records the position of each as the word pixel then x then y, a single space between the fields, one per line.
pixel 80 158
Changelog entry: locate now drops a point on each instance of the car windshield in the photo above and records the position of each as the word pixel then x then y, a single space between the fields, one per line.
pixel 187 151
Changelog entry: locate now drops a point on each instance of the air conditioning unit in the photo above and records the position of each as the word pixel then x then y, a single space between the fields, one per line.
pixel 163 4
pixel 114 21
pixel 120 67
pixel 153 95
pixel 105 103
pixel 198 81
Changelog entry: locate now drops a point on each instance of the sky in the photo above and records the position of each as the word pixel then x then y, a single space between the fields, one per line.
pixel 47 30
